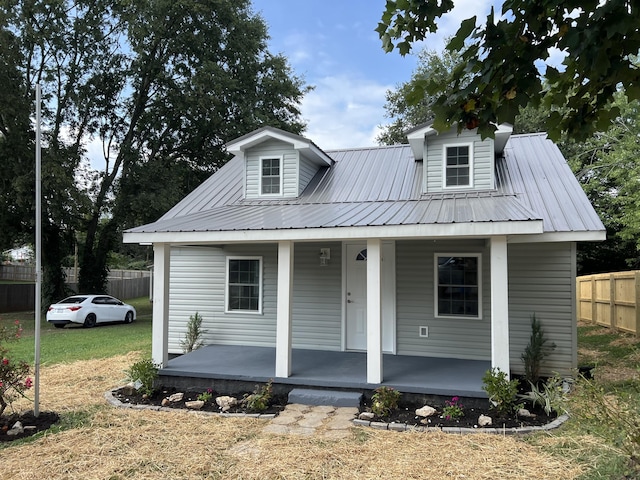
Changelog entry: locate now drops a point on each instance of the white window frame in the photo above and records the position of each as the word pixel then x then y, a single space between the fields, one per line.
pixel 436 300
pixel 260 176
pixel 444 165
pixel 260 286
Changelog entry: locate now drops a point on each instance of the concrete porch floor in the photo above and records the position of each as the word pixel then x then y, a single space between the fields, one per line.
pixel 328 369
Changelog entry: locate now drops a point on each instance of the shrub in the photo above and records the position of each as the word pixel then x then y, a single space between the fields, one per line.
pixel 551 396
pixel 193 338
pixel 535 351
pixel 145 372
pixel 453 408
pixel 502 392
pixel 259 400
pixel 206 396
pixel 384 401
pixel 14 379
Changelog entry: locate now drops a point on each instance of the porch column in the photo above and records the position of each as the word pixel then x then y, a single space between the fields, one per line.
pixel 283 319
pixel 160 325
pixel 499 305
pixel 374 311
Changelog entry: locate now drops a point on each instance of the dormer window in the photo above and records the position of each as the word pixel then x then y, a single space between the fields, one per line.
pixel 458 166
pixel 271 176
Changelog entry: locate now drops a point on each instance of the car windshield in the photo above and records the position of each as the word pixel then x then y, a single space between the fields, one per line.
pixel 73 300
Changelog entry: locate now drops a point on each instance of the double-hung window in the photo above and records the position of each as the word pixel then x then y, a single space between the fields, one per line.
pixel 271 176
pixel 458 166
pixel 458 288
pixel 244 284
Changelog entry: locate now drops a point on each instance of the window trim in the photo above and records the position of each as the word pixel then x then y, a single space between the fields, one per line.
pixel 228 258
pixel 280 159
pixel 444 166
pixel 436 300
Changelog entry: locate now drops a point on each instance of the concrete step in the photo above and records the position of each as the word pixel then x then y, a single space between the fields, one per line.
pixel 334 398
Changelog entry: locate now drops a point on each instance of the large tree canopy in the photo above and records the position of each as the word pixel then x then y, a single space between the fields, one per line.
pixel 161 84
pixel 504 56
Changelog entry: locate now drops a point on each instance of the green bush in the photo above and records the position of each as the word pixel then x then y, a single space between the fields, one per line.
pixel 259 400
pixel 193 338
pixel 535 351
pixel 502 392
pixel 551 396
pixel 145 372
pixel 384 401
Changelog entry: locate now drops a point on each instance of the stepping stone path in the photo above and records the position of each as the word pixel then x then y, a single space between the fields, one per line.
pixel 324 421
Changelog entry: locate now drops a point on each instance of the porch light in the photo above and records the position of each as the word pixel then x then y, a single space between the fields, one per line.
pixel 325 256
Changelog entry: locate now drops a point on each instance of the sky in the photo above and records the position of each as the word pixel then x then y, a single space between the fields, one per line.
pixel 333 45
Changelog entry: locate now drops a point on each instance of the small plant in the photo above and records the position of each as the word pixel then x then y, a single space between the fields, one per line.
pixel 535 351
pixel 206 396
pixel 145 372
pixel 259 400
pixel 453 409
pixel 14 379
pixel 551 396
pixel 384 401
pixel 502 392
pixel 193 338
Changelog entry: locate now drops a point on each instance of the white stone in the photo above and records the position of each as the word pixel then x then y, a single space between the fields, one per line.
pixel 176 397
pixel 425 411
pixel 226 402
pixel 129 389
pixel 484 421
pixel 366 416
pixel 17 429
pixel 524 413
pixel 194 405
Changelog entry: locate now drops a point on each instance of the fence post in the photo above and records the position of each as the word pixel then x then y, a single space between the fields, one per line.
pixel 594 304
pixel 637 302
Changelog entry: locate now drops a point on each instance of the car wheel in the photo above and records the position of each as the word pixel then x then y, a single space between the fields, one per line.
pixel 128 318
pixel 90 321
pixel 59 325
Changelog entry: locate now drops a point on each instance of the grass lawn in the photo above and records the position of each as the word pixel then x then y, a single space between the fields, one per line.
pixel 72 343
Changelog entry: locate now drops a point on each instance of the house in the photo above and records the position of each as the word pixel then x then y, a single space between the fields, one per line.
pixel 439 250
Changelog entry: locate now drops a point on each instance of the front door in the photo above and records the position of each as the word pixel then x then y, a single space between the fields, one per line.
pixel 356 296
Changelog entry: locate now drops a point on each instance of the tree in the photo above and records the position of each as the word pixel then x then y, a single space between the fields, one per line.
pixel 163 85
pixel 503 56
pixel 400 107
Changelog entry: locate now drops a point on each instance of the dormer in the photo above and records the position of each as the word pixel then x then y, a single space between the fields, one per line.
pixel 457 162
pixel 277 164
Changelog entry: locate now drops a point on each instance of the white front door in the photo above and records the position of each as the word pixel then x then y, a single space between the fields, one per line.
pixel 356 296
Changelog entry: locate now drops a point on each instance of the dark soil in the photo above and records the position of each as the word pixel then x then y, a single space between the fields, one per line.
pixel 405 413
pixel 276 404
pixel 42 422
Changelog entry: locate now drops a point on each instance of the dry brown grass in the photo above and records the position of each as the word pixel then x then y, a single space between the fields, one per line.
pixel 122 444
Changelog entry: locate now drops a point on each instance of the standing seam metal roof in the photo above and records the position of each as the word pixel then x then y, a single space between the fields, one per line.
pixel 382 186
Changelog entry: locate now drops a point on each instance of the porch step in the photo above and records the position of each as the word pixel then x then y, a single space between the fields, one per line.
pixel 335 398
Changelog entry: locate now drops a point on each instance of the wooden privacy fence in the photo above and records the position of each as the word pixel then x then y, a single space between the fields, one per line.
pixel 610 299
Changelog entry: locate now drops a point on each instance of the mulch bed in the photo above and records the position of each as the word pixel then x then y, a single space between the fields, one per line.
pixel 40 423
pixel 276 405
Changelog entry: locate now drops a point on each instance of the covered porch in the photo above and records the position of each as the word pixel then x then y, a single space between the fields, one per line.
pixel 325 369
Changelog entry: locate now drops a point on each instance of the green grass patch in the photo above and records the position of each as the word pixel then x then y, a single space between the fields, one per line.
pixel 73 343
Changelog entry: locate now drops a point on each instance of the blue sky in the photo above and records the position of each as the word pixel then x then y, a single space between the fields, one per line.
pixel 334 46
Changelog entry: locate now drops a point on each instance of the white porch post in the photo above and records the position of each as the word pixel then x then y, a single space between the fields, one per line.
pixel 374 311
pixel 499 305
pixel 160 325
pixel 283 319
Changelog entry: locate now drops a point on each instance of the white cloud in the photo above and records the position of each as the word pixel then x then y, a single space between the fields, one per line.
pixel 344 111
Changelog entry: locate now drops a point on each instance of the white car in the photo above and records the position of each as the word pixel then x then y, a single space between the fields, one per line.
pixel 89 310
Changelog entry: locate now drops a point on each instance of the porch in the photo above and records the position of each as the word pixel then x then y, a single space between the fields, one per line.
pixel 325 369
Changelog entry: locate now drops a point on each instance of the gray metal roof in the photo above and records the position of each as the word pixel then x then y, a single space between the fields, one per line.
pixel 381 186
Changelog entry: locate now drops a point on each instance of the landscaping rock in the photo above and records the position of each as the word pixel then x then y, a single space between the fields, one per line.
pixel 194 405
pixel 17 429
pixel 425 411
pixel 366 416
pixel 524 413
pixel 484 421
pixel 176 397
pixel 226 402
pixel 129 389
pixel 166 402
